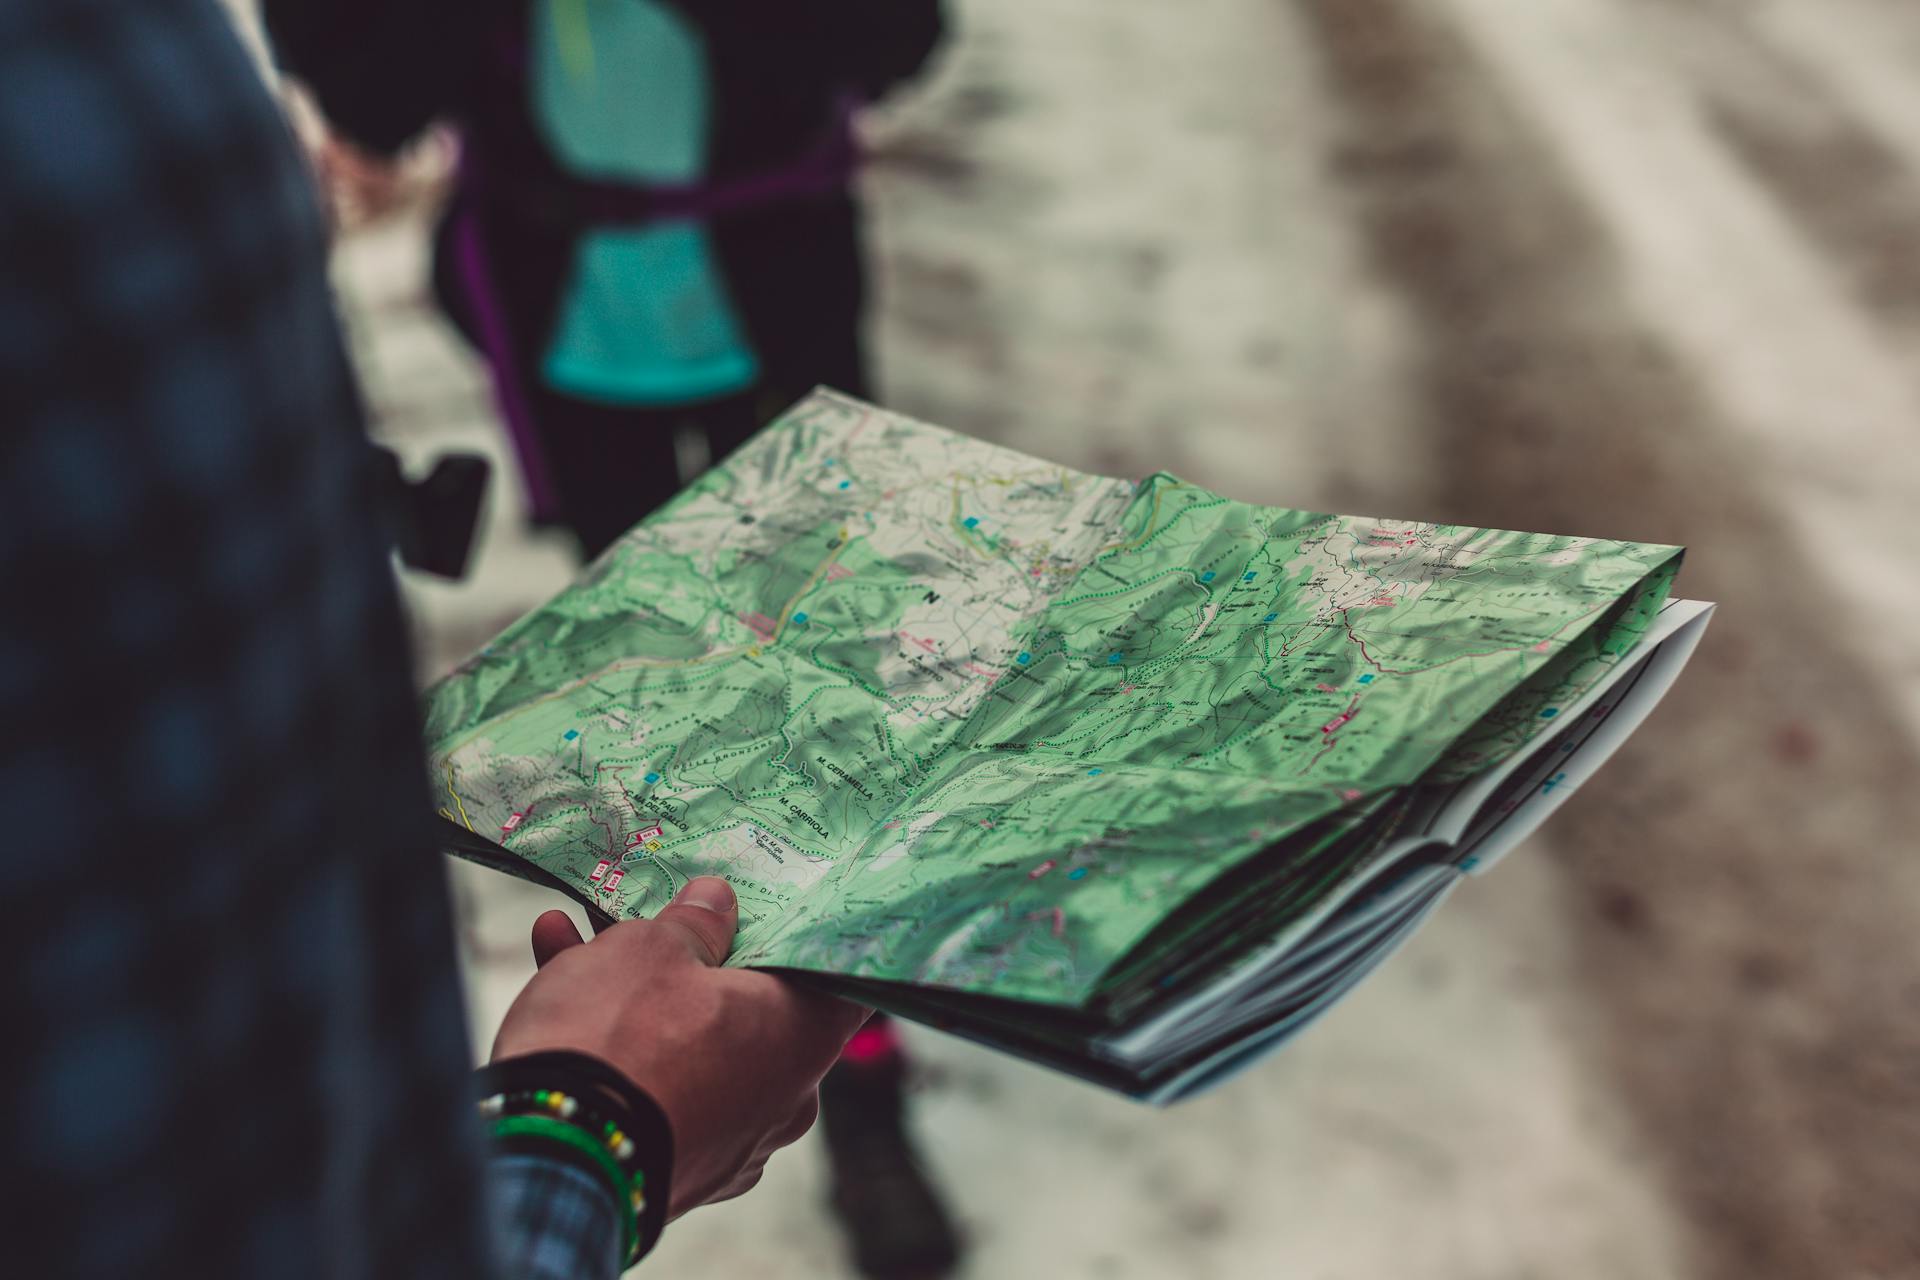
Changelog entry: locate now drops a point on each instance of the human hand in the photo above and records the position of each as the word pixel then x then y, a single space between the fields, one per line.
pixel 732 1056
pixel 361 187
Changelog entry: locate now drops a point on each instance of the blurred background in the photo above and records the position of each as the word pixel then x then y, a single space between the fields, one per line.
pixel 1634 268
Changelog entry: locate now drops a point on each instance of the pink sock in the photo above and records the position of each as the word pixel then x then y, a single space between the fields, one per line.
pixel 874 1043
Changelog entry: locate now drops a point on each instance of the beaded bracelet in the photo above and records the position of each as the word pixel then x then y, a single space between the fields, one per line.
pixel 551 1113
pixel 548 1129
pixel 570 1109
pixel 609 1124
pixel 576 1072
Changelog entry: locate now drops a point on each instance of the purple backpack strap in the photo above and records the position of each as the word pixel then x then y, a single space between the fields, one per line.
pixel 474 271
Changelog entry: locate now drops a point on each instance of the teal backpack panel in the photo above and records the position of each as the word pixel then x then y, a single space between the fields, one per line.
pixel 620 93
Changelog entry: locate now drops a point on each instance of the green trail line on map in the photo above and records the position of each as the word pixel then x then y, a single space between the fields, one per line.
pixel 947 714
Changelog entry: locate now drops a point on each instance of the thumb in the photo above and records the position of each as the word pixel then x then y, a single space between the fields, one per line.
pixel 704 914
pixel 553 933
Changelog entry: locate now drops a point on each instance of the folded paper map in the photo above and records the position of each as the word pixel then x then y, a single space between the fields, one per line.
pixel 1129 778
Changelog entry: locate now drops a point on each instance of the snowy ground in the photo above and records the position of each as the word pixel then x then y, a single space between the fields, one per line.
pixel 1648 268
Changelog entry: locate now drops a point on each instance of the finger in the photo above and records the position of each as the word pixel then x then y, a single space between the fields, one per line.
pixel 738 1183
pixel 814 1028
pixel 703 915
pixel 746 1180
pixel 553 933
pixel 825 1017
pixel 799 1122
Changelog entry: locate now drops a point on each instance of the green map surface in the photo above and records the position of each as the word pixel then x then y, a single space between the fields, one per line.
pixel 947 714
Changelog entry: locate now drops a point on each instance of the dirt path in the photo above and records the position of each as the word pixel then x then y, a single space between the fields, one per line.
pixel 1748 894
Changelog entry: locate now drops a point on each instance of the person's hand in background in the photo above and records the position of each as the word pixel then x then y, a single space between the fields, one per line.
pixel 362 188
pixel 733 1057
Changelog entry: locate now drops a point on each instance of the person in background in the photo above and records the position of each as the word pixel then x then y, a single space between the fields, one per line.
pixel 235 1038
pixel 653 238
pixel 654 242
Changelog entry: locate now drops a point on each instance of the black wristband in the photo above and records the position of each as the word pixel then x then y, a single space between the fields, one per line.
pixel 609 1091
pixel 583 1072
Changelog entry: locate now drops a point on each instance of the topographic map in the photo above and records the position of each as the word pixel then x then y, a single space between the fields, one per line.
pixel 947 714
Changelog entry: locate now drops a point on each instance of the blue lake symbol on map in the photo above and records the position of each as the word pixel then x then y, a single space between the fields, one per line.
pixel 571 734
pixel 653 777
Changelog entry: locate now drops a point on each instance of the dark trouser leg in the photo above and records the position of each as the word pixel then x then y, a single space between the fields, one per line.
pixel 797 274
pixel 614 465
pixel 895 1222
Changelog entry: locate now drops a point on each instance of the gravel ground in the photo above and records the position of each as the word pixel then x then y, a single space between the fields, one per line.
pixel 1646 268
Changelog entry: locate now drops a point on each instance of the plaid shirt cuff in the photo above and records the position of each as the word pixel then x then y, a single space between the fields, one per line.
pixel 551 1220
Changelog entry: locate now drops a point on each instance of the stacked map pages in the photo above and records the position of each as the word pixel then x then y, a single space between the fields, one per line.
pixel 1128 779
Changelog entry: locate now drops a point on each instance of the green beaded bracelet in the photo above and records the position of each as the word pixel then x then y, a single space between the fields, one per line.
pixel 626 1193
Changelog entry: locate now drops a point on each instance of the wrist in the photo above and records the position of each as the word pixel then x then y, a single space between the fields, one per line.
pixel 582 1111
